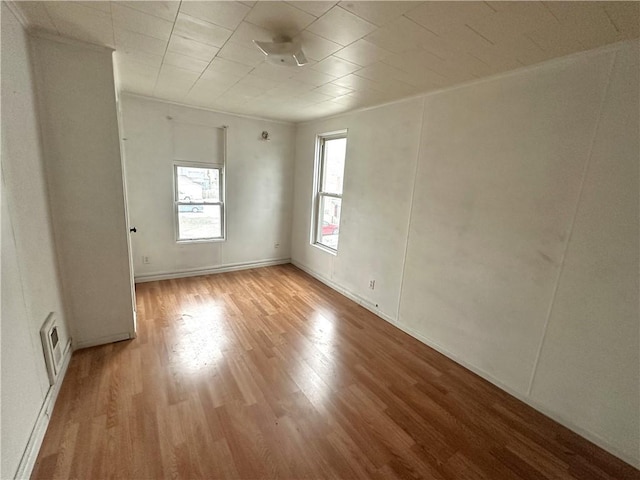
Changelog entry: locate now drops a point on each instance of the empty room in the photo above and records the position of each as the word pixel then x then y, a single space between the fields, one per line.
pixel 319 239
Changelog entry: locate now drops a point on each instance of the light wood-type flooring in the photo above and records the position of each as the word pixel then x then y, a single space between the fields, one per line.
pixel 267 373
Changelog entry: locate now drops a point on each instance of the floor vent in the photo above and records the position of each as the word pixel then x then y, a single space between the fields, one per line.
pixel 51 346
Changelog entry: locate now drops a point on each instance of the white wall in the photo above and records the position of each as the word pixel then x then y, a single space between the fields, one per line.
pixel 30 283
pixel 590 351
pixel 82 159
pixel 259 176
pixel 382 145
pixel 502 229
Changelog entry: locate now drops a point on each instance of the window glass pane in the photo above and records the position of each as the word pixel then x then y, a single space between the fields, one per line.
pixel 198 184
pixel 334 153
pixel 330 215
pixel 199 221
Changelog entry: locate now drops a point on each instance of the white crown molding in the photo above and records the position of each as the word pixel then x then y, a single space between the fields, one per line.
pixel 124 93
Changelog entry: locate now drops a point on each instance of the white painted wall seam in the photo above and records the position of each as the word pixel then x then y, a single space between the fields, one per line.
pixel 585 171
pixel 413 191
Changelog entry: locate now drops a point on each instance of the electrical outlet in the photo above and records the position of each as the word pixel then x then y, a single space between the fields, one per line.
pixel 372 284
pixel 276 245
pixel 146 260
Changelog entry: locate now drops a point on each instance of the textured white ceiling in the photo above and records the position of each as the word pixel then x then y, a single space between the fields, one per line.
pixel 361 53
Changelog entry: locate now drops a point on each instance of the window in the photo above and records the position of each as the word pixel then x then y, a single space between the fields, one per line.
pixel 331 150
pixel 199 204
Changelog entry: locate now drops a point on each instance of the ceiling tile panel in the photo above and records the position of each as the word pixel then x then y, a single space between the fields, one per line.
pixel 174 83
pixel 80 22
pixel 136 21
pixel 314 97
pixel 259 82
pixel 246 33
pixel 314 77
pixel 439 17
pixel 136 56
pixel 435 70
pixel 465 38
pixel 103 6
pixel 290 87
pixel 273 72
pixel 378 13
pixel 165 10
pixel 625 16
pixel 593 35
pixel 347 101
pixel 493 57
pixel 37 15
pixel 332 90
pixel 137 77
pixel 315 47
pixel 279 18
pixel 362 53
pixel 205 92
pixel 401 35
pixel 383 72
pixel 227 66
pixel 335 66
pixel 191 48
pixel 341 27
pixel 513 21
pixel 201 30
pixel 556 40
pixel 355 82
pixel 422 66
pixel 564 11
pixel 240 54
pixel 244 91
pixel 226 14
pixel 127 41
pixel 182 61
pixel 315 8
pixel 223 79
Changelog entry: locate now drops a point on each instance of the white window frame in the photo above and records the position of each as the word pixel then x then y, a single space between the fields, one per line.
pixel 177 203
pixel 318 194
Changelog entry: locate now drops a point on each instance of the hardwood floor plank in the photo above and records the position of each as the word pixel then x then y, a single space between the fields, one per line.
pixel 267 373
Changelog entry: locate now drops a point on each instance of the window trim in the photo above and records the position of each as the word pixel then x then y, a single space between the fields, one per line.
pixel 318 194
pixel 177 203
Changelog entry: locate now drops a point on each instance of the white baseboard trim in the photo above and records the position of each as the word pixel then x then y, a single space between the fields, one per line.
pixel 195 272
pixel 347 293
pixel 117 337
pixel 28 460
pixel 590 436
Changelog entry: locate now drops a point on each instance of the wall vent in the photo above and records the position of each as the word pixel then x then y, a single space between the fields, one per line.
pixel 51 346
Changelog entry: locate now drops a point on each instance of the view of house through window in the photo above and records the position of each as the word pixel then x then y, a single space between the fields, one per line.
pixel 330 172
pixel 199 205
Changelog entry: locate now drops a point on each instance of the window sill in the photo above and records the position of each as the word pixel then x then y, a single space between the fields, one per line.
pixel 325 249
pixel 201 240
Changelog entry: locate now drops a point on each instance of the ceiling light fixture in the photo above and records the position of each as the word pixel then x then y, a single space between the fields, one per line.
pixel 283 51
